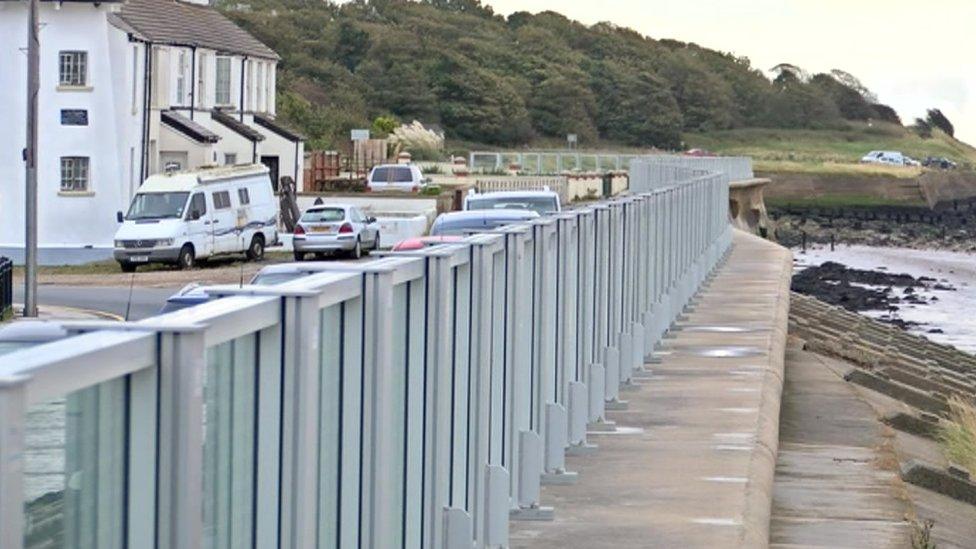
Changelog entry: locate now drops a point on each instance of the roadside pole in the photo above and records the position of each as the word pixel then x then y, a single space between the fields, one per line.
pixel 30 158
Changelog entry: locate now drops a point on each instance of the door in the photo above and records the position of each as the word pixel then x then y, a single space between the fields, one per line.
pixel 198 223
pixel 225 236
pixel 368 229
pixel 272 163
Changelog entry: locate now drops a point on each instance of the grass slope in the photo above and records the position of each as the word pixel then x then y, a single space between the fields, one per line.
pixel 831 150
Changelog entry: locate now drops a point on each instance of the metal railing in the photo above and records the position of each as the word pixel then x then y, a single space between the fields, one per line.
pixel 549 162
pixel 6 287
pixel 414 401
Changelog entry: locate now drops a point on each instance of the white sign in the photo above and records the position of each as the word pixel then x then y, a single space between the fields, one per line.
pixel 359 135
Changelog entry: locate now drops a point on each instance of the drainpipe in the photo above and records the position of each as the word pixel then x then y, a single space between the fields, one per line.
pixel 254 151
pixel 146 100
pixel 193 81
pixel 297 143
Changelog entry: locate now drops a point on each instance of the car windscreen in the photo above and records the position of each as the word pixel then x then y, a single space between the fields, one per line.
pixel 459 227
pixel 539 204
pixel 392 174
pixel 326 215
pixel 271 279
pixel 157 206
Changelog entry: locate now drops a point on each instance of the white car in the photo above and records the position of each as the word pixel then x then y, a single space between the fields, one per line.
pixel 396 177
pixel 185 216
pixel 542 202
pixel 335 228
pixel 891 158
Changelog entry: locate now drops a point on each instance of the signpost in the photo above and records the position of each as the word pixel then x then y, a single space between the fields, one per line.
pixel 571 140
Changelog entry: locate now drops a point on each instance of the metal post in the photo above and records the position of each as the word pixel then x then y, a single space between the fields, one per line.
pixel 30 157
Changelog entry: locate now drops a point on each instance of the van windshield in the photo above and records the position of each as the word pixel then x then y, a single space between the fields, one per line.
pixel 157 206
pixel 539 204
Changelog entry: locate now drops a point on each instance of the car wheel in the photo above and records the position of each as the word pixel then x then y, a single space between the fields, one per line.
pixel 299 256
pixel 256 250
pixel 186 259
pixel 357 252
pixel 127 267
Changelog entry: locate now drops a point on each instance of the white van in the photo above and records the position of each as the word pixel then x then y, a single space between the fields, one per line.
pixel 893 158
pixel 184 216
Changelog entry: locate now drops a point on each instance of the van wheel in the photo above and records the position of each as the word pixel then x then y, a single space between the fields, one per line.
pixel 256 250
pixel 127 267
pixel 186 259
pixel 299 256
pixel 357 252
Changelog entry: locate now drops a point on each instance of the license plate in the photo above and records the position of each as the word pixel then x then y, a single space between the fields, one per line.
pixel 139 258
pixel 322 229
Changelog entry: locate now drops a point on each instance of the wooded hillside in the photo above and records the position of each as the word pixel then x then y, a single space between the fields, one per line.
pixel 507 81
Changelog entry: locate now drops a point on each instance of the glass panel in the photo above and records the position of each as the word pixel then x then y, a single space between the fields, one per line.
pixel 74 467
pixel 330 444
pixel 570 163
pixel 549 164
pixel 460 373
pixel 228 446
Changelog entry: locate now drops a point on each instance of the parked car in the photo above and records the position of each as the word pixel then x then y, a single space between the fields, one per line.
pixel 395 177
pixel 413 244
pixel 892 158
pixel 909 161
pixel 185 216
pixel 335 228
pixel 542 202
pixel 939 162
pixel 466 222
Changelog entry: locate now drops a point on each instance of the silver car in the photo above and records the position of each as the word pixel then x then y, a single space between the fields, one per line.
pixel 335 228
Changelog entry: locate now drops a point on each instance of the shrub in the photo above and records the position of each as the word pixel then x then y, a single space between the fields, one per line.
pixel 958 436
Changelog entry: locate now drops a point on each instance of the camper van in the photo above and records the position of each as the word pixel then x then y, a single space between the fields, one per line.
pixel 185 216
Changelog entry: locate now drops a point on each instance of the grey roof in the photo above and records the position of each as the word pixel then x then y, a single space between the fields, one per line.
pixel 188 127
pixel 184 24
pixel 241 128
pixel 269 123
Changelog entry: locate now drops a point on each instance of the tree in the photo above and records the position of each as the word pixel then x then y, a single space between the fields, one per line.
pixel 351 45
pixel 922 128
pixel 635 107
pixel 850 101
pixel 939 120
pixel 886 113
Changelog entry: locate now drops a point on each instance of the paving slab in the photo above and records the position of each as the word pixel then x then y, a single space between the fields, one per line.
pixel 692 464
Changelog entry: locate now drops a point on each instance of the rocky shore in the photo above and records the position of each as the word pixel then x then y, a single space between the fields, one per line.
pixel 860 290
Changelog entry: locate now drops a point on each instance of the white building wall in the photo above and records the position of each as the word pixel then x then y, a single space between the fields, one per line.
pixel 67 222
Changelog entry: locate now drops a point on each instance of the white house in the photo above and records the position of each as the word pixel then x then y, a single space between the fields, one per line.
pixel 128 89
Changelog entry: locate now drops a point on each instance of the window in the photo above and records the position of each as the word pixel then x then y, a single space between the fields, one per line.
pixel 221 200
pixel 222 91
pixel 74 174
pixel 259 103
pixel 73 68
pixel 198 207
pixel 202 82
pixel 243 196
pixel 230 159
pixel 135 77
pixel 180 77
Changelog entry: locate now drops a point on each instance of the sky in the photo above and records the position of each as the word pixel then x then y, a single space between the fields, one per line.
pixel 913 55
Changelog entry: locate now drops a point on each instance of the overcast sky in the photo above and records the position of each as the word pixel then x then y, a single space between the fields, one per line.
pixel 913 55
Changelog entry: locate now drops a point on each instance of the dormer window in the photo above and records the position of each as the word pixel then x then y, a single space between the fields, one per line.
pixel 73 68
pixel 222 80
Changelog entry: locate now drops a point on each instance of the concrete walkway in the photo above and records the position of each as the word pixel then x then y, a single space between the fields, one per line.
pixel 693 460
pixel 836 476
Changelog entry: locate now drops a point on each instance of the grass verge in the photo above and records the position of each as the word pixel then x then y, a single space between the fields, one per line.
pixel 958 436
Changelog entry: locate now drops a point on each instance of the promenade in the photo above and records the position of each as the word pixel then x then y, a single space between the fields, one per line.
pixel 693 458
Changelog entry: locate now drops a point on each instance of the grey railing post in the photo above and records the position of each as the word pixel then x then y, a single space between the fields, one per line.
pixel 299 459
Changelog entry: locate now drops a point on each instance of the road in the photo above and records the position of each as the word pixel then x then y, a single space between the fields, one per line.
pixel 110 299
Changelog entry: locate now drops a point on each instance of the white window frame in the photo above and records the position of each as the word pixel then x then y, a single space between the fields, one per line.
pixel 73 69
pixel 203 101
pixel 75 174
pixel 181 77
pixel 223 97
pixel 259 100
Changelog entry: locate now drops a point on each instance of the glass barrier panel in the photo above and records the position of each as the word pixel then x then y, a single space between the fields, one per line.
pixel 229 443
pixel 74 470
pixel 330 417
